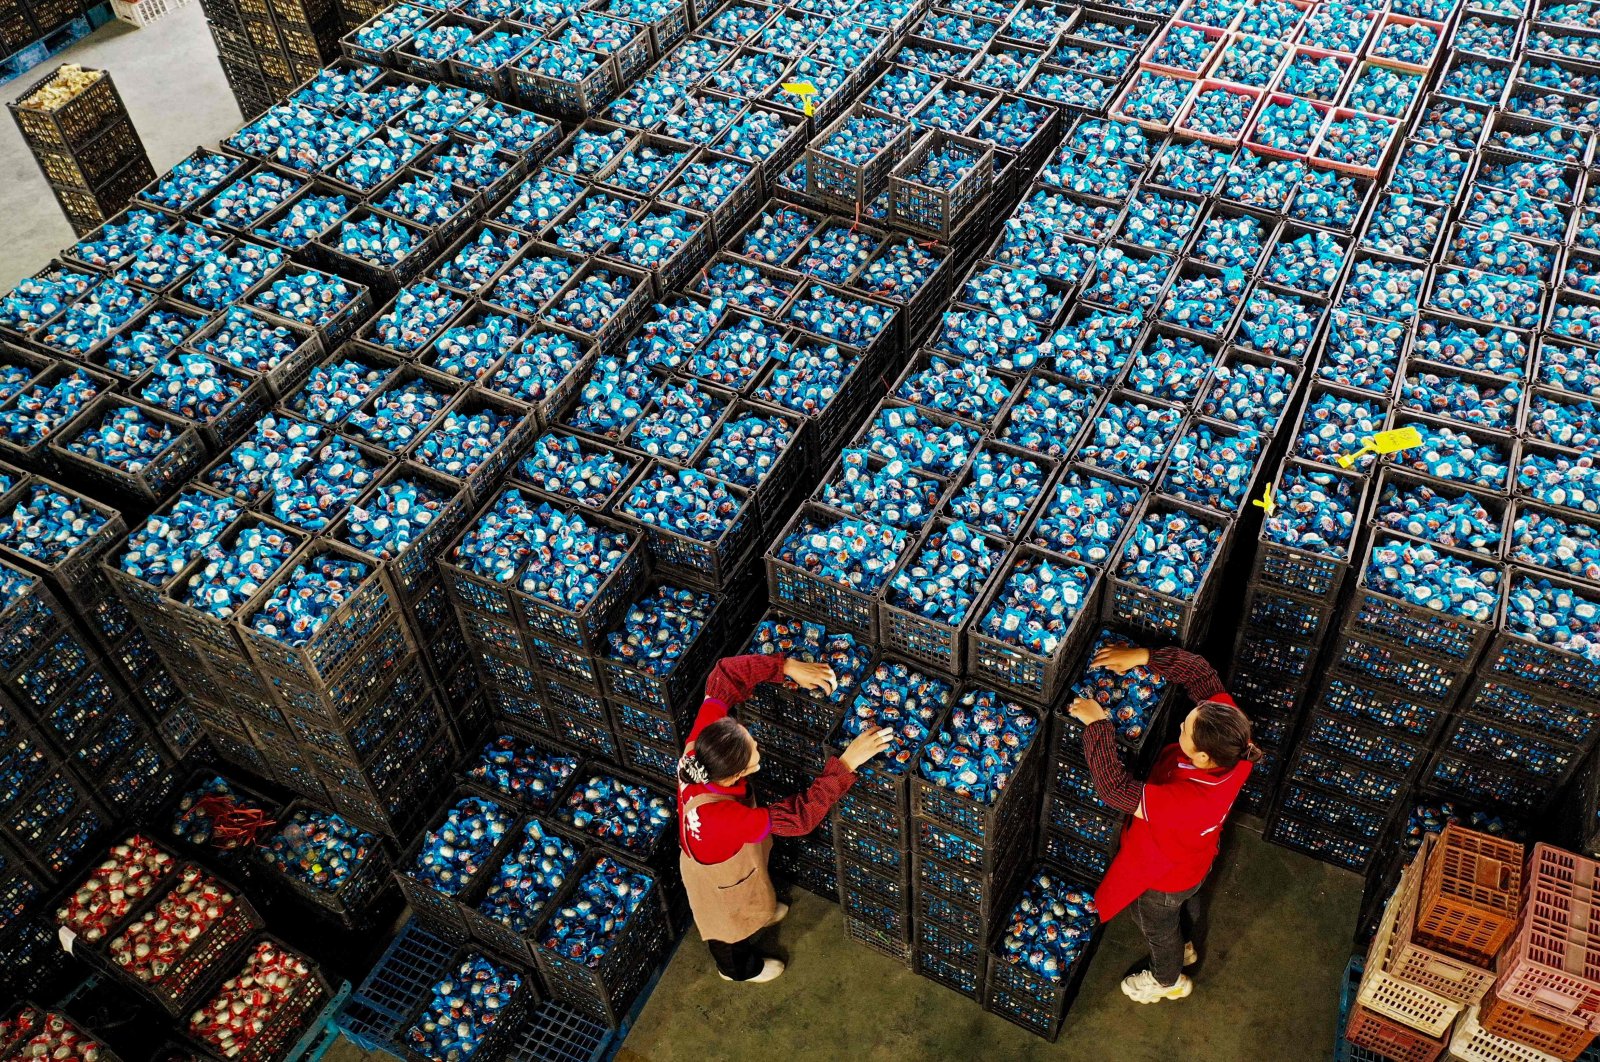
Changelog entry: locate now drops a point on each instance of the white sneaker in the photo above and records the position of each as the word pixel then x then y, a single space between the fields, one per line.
pixel 1190 956
pixel 771 970
pixel 782 913
pixel 1143 987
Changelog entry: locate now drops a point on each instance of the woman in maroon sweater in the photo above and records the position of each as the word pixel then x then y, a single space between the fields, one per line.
pixel 725 839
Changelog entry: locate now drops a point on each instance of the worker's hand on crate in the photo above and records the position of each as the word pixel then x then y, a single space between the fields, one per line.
pixel 866 745
pixel 1121 658
pixel 811 676
pixel 1086 711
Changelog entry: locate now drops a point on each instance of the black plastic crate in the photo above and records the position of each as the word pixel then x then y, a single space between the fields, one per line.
pixel 1450 640
pixel 1347 699
pixel 1322 842
pixel 1351 779
pixel 1519 660
pixel 1541 712
pixel 607 989
pixel 1011 667
pixel 927 640
pixel 1150 611
pixel 796 590
pixel 439 910
pixel 74 122
pixel 987 823
pixel 1373 663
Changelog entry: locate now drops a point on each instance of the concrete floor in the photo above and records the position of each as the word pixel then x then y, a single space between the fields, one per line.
pixel 1268 987
pixel 174 90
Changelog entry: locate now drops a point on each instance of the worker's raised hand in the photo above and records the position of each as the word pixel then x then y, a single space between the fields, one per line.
pixel 1121 658
pixel 866 745
pixel 1086 711
pixel 811 676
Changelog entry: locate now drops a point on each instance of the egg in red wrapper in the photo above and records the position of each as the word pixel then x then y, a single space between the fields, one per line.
pixel 130 872
pixel 261 1009
pixel 35 1035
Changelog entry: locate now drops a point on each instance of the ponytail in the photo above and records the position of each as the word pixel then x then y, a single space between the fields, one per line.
pixel 721 751
pixel 1223 732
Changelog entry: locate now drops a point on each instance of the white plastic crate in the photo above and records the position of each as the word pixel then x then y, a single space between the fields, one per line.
pixel 145 12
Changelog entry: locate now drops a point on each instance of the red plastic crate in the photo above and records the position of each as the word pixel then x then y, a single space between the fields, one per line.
pixel 1471 889
pixel 1552 965
pixel 1389 1038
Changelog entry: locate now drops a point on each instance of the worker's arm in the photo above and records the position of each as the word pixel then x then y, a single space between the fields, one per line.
pixel 1190 670
pixel 801 813
pixel 732 682
pixel 1194 673
pixel 1113 784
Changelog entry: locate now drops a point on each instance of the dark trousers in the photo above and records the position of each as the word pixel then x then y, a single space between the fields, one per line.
pixel 1167 919
pixel 740 960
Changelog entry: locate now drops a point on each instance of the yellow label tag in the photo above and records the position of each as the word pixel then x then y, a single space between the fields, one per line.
pixel 1385 442
pixel 805 90
pixel 1265 502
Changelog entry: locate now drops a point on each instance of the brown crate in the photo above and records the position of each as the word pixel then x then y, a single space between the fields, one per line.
pixel 1389 1038
pixel 1471 889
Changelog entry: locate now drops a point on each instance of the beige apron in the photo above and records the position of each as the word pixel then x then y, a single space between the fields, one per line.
pixel 733 899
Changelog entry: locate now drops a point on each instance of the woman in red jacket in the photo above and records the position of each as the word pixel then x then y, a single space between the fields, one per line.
pixel 724 837
pixel 1168 847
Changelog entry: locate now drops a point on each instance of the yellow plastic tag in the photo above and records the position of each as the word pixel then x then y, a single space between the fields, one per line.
pixel 1265 502
pixel 805 90
pixel 1385 442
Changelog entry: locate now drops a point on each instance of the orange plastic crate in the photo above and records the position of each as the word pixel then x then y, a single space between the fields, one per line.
pixel 1471 890
pixel 1389 1038
pixel 1552 965
pixel 1554 1038
pixel 1412 961
pixel 1471 1042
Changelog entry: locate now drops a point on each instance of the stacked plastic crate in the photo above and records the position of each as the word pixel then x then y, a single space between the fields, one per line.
pixel 1447 696
pixel 1432 962
pixel 267 47
pixel 75 124
pixel 44 397
pixel 537 837
pixel 84 677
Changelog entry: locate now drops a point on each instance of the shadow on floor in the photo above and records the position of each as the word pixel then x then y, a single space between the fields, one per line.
pixel 1280 929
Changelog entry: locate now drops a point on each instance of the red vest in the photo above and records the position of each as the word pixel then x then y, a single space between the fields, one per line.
pixel 1172 846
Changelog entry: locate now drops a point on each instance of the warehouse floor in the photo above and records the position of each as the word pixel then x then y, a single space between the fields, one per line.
pixel 1268 988
pixel 1281 923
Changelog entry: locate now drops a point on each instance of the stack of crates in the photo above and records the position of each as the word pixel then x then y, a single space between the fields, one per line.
pixel 1546 993
pixel 968 851
pixel 1395 672
pixel 267 47
pixel 102 622
pixel 348 717
pixel 475 907
pixel 873 832
pixel 1434 953
pixel 1290 606
pixel 85 145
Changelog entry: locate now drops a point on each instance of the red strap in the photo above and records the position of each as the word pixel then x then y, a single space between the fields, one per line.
pixel 232 826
